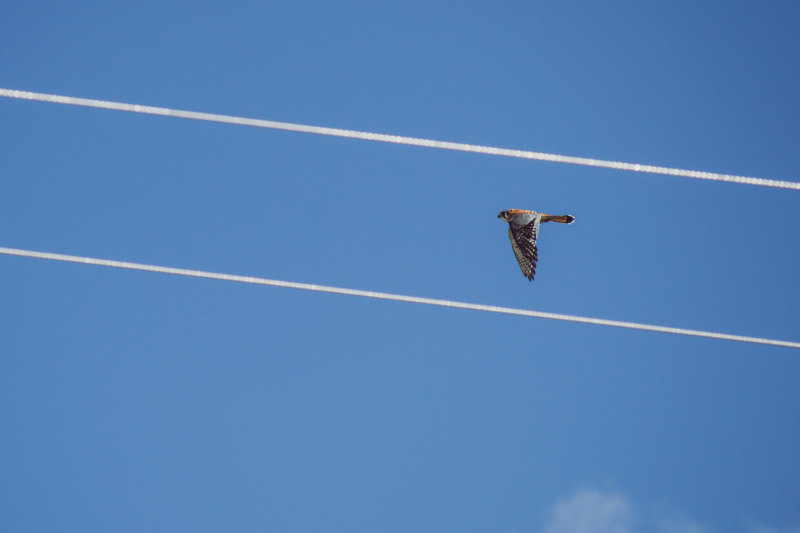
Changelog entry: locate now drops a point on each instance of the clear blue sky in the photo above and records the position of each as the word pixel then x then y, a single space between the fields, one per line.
pixel 145 402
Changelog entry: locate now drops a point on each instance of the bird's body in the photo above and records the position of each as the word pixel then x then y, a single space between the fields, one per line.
pixel 523 229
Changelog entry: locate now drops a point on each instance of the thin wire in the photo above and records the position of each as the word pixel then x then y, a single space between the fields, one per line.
pixel 397 139
pixel 390 296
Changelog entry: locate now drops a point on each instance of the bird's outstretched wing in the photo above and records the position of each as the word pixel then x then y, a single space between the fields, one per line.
pixel 523 242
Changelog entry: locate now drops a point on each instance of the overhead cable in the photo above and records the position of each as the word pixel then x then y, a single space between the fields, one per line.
pixel 397 139
pixel 390 296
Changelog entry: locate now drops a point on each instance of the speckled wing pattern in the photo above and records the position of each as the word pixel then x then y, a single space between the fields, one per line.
pixel 523 230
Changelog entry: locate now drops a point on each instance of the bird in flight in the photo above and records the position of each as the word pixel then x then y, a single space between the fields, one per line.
pixel 523 228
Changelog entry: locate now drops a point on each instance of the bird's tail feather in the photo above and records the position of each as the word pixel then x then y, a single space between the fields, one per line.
pixel 563 219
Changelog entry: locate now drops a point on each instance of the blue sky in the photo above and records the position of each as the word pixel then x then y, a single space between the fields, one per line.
pixel 135 401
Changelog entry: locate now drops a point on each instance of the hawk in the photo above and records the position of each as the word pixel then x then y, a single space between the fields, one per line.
pixel 523 228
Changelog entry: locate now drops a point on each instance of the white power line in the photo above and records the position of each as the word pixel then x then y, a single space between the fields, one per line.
pixel 390 296
pixel 397 139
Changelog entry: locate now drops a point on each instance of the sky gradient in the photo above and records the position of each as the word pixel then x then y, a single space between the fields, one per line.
pixel 137 401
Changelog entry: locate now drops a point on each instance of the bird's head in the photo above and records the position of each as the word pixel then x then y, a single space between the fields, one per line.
pixel 503 215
